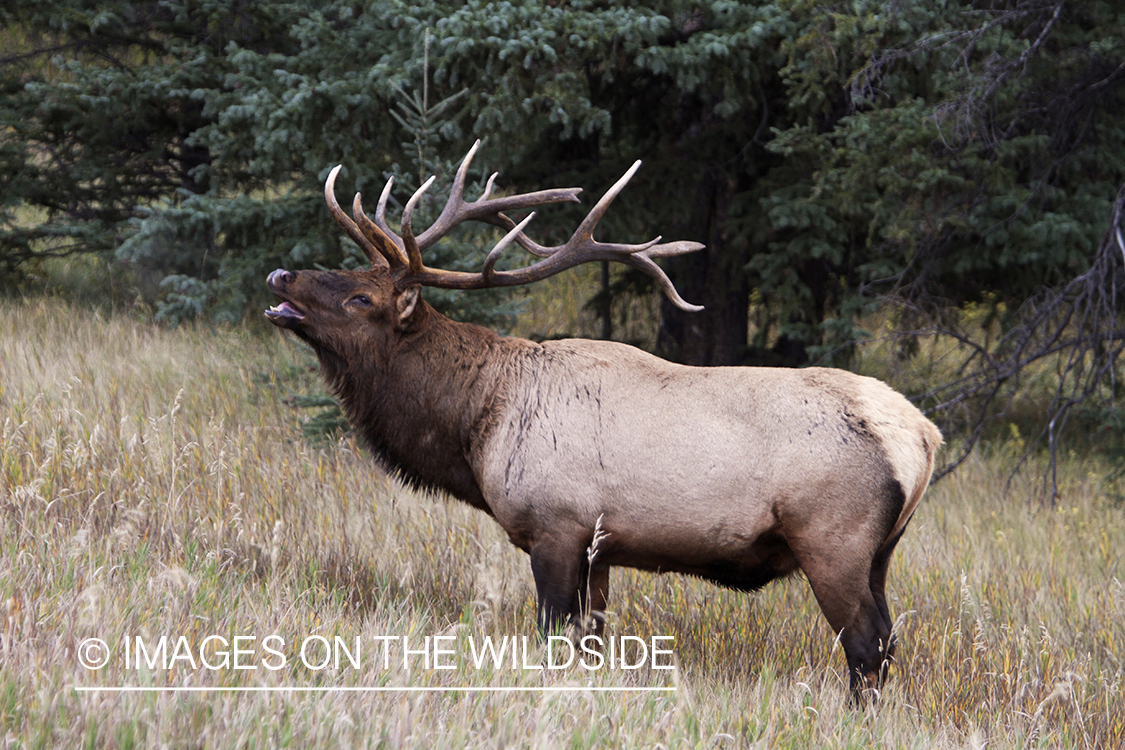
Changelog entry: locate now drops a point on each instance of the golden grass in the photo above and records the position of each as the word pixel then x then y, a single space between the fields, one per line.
pixel 153 483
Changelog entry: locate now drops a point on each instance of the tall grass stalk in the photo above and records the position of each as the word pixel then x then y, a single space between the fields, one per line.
pixel 154 483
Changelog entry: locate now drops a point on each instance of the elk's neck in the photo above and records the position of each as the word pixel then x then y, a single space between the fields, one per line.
pixel 426 404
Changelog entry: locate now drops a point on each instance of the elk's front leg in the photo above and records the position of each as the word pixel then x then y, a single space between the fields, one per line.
pixel 556 563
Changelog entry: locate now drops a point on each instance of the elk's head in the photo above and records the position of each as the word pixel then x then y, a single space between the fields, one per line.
pixel 346 314
pixel 343 314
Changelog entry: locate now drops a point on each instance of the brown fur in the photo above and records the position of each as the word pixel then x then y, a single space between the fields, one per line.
pixel 736 475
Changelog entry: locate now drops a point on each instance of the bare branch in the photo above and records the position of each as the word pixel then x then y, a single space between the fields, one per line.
pixel 1077 327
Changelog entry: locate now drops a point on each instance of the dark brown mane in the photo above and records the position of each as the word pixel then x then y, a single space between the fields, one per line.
pixel 382 400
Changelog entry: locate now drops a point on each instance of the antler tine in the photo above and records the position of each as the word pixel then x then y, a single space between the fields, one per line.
pixel 456 200
pixel 385 243
pixel 492 180
pixel 586 228
pixel 413 251
pixel 642 261
pixel 494 254
pixel 369 249
pixel 381 212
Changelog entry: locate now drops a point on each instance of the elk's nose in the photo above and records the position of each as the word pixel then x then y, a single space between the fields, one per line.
pixel 280 276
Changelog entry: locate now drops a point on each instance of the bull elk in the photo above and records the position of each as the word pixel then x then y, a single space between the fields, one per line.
pixel 738 475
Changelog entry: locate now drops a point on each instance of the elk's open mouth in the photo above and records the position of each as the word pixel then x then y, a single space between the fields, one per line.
pixel 284 314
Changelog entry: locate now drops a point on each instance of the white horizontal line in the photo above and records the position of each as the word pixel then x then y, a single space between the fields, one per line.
pixel 344 689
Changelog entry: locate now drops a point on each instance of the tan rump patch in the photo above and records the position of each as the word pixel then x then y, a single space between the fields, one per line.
pixel 909 439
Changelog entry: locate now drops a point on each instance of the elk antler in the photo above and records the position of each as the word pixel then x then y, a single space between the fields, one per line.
pixel 404 254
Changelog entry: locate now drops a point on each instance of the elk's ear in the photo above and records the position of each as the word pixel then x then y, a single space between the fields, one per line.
pixel 407 301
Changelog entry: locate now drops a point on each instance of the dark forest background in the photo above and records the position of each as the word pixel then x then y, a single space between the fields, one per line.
pixel 951 171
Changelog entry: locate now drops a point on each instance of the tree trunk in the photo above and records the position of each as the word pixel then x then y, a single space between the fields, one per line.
pixel 713 277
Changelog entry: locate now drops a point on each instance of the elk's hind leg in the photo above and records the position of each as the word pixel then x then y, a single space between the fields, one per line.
pixel 844 592
pixel 878 582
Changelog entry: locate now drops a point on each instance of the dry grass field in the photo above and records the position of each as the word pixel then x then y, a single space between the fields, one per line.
pixel 154 483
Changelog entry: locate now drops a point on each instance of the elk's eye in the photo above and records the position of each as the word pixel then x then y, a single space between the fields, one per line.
pixel 362 300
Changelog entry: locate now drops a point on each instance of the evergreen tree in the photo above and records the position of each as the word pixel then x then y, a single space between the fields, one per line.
pixel 827 154
pixel 190 140
pixel 832 156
